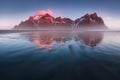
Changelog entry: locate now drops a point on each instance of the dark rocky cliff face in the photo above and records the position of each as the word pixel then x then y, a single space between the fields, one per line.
pixel 89 20
pixel 46 20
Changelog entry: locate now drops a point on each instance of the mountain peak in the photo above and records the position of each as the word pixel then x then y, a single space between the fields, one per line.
pixel 45 19
pixel 89 19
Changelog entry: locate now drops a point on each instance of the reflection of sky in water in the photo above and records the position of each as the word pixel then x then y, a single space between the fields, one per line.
pixel 60 55
pixel 54 40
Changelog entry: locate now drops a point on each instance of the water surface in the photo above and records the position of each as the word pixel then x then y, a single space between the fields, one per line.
pixel 60 55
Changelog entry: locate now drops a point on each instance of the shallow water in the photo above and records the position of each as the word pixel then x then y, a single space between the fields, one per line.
pixel 60 55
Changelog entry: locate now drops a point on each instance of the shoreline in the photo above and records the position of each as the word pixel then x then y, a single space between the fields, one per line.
pixel 74 30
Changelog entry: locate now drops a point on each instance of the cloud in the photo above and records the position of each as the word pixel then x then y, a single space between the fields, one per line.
pixel 43 12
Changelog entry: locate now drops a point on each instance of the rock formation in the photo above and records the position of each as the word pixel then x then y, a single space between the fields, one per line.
pixel 48 21
pixel 89 20
pixel 37 22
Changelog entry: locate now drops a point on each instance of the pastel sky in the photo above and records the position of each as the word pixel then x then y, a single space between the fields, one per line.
pixel 12 12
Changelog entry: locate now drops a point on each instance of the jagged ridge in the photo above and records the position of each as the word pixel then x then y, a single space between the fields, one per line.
pixel 46 20
pixel 89 19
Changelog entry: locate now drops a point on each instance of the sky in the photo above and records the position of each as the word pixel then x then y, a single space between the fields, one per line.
pixel 12 12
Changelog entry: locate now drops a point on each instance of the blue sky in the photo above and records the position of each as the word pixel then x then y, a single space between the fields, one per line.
pixel 12 12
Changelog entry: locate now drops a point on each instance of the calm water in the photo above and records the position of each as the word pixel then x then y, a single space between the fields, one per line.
pixel 60 55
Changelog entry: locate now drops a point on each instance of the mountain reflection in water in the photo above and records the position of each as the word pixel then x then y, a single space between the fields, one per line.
pixel 47 39
pixel 60 55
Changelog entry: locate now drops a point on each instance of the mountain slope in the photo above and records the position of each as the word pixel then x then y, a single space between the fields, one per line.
pixel 48 21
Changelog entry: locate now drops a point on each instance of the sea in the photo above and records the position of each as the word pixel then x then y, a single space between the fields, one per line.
pixel 60 55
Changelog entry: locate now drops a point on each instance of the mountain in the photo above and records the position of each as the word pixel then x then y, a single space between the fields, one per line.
pixel 89 20
pixel 48 21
